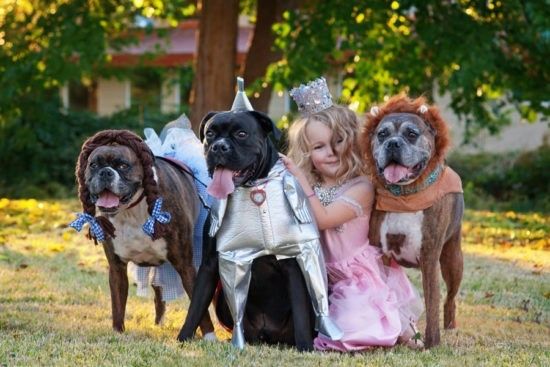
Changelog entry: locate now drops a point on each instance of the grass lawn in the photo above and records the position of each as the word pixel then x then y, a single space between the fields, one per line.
pixel 55 303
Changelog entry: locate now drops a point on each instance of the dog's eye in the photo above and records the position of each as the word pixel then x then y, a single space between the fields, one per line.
pixel 242 134
pixel 412 134
pixel 382 134
pixel 123 166
pixel 209 134
pixel 93 165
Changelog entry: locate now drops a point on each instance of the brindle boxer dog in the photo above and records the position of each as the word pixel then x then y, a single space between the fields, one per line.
pixel 120 180
pixel 278 308
pixel 419 202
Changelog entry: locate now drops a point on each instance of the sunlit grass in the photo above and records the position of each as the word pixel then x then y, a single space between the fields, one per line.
pixel 55 304
pixel 507 229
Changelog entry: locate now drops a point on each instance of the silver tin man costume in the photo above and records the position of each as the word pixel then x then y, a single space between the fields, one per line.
pixel 270 216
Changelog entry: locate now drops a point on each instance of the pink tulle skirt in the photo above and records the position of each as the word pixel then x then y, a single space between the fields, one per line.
pixel 373 304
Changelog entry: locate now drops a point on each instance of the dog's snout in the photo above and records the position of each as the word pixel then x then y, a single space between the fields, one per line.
pixel 221 146
pixel 394 144
pixel 106 174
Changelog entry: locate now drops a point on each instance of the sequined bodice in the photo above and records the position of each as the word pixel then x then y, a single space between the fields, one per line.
pixel 326 195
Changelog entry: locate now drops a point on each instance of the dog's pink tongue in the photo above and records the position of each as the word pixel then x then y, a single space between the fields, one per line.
pixel 107 200
pixel 395 173
pixel 222 183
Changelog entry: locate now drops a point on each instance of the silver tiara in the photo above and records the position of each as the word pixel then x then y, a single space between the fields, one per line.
pixel 312 97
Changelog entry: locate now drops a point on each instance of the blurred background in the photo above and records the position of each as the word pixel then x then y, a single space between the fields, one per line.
pixel 71 68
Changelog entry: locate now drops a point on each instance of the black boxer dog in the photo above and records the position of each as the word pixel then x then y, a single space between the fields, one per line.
pixel 278 309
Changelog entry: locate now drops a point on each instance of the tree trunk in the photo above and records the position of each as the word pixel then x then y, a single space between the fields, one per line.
pixel 261 52
pixel 214 82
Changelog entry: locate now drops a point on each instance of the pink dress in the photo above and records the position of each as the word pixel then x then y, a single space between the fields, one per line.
pixel 373 304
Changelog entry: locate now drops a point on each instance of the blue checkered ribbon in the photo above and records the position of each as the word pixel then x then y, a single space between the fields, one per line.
pixel 157 215
pixel 96 229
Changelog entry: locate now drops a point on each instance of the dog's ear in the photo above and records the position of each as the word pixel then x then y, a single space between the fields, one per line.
pixel 205 119
pixel 267 124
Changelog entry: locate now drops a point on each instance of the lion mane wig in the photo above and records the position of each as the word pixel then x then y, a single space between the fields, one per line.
pixel 145 156
pixel 401 103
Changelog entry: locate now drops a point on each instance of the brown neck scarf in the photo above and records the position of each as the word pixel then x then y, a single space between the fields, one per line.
pixel 447 182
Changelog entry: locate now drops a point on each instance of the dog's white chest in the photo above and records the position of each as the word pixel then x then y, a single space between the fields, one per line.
pixel 131 243
pixel 401 236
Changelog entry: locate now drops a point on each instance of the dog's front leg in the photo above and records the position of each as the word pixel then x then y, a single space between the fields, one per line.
pixel 204 288
pixel 429 264
pixel 302 311
pixel 118 283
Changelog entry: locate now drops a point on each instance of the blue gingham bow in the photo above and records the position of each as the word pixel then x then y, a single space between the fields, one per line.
pixel 157 215
pixel 95 228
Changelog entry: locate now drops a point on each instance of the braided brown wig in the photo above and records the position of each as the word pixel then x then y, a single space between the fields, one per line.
pixel 145 156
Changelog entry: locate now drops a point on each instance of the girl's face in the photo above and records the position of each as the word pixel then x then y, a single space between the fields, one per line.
pixel 325 159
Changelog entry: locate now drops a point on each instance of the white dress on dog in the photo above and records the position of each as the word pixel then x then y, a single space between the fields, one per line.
pixel 182 145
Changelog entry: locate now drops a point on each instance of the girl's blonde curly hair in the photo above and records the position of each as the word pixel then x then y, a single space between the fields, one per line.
pixel 344 125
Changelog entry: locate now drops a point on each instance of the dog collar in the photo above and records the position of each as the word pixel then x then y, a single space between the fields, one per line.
pixel 138 200
pixel 397 190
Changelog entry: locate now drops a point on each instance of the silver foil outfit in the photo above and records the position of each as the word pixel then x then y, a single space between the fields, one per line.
pixel 271 216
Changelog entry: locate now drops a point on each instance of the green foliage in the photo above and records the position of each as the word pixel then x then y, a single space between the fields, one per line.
pixel 483 53
pixel 46 44
pixel 38 156
pixel 505 181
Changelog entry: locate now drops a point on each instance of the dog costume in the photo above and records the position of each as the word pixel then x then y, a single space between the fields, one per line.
pixel 269 216
pixel 177 142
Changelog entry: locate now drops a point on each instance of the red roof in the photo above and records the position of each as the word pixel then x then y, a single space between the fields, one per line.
pixel 178 46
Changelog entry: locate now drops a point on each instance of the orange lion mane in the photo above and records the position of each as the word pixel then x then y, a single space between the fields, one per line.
pixel 401 103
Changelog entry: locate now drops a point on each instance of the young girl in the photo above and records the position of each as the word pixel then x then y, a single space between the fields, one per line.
pixel 373 304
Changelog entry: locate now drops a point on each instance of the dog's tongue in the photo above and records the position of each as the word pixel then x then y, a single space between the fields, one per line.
pixel 395 173
pixel 107 200
pixel 222 183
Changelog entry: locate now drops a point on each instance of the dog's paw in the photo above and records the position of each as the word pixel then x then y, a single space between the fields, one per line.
pixel 159 320
pixel 432 340
pixel 184 336
pixel 211 337
pixel 304 347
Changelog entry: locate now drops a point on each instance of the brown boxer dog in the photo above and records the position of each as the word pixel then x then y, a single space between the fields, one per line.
pixel 417 217
pixel 146 208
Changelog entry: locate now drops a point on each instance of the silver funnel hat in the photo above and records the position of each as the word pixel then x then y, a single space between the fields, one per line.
pixel 241 101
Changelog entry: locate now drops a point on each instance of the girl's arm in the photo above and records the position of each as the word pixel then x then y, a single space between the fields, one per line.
pixel 337 212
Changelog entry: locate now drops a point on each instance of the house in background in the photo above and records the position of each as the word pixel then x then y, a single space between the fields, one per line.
pixel 145 88
pixel 158 92
pixel 167 91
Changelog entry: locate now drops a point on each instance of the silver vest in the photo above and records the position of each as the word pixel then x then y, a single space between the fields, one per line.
pixel 283 219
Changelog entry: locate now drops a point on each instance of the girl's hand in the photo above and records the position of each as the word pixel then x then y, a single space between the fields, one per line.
pixel 298 173
pixel 290 165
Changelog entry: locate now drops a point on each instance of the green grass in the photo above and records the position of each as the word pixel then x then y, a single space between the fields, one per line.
pixel 55 305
